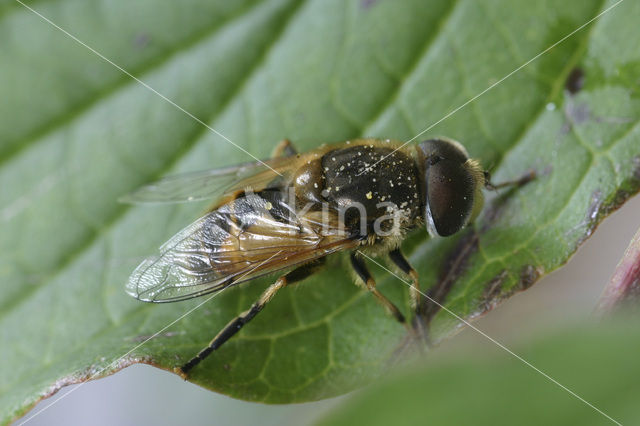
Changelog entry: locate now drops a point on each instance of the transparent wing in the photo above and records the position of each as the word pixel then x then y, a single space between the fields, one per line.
pixel 209 184
pixel 249 237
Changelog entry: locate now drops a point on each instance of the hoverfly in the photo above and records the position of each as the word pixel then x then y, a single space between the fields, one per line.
pixel 290 213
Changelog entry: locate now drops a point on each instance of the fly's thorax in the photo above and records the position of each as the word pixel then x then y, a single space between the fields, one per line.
pixel 372 185
pixel 308 183
pixel 242 230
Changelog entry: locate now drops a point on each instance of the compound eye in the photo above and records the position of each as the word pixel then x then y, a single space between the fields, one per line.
pixel 450 191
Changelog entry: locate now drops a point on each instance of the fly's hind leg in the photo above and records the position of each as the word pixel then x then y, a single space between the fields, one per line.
pixel 284 149
pixel 237 323
pixel 361 269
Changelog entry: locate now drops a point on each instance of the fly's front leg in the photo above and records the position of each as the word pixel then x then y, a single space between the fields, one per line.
pixel 236 324
pixel 419 328
pixel 402 263
pixel 284 149
pixel 522 180
pixel 361 269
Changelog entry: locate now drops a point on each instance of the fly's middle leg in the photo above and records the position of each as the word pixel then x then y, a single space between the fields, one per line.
pixel 363 273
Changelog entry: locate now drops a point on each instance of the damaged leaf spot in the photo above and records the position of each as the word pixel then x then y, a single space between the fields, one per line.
pixel 529 274
pixel 491 296
pixel 575 81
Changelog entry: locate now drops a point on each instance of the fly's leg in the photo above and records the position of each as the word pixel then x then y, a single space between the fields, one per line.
pixel 237 323
pixel 284 149
pixel 361 269
pixel 419 327
pixel 522 180
pixel 401 262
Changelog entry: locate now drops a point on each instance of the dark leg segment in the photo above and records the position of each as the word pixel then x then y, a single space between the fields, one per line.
pixel 284 149
pixel 236 324
pixel 361 269
pixel 401 262
pixel 522 180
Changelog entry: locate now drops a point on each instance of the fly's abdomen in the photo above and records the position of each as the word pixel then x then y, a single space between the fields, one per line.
pixel 253 227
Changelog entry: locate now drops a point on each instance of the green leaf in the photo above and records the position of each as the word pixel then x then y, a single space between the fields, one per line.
pixel 76 133
pixel 598 362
